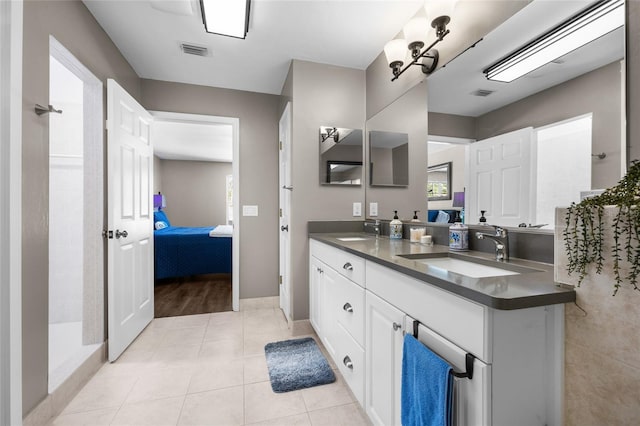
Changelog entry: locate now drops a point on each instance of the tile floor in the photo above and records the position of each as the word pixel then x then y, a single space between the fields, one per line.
pixel 206 370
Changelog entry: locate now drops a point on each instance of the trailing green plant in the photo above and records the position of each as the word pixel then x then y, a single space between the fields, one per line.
pixel 584 231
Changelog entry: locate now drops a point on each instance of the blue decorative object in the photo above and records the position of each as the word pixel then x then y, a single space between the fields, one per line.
pixel 297 364
pixel 427 386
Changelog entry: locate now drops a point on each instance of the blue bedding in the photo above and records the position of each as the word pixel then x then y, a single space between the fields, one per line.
pixel 181 251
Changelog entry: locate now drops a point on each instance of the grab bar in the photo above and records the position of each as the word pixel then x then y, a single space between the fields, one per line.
pixel 468 359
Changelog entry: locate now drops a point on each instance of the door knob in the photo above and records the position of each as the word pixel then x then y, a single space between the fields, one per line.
pixel 284 228
pixel 347 362
pixel 123 234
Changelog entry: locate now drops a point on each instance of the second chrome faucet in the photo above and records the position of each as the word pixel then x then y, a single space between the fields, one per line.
pixel 500 237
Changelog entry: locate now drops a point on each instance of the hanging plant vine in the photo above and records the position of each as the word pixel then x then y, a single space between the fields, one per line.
pixel 584 231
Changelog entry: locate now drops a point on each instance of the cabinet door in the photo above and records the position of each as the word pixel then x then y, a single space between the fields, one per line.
pixel 384 327
pixel 315 276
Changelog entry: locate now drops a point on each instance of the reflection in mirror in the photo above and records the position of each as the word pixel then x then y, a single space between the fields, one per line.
pixel 533 134
pixel 388 158
pixel 439 182
pixel 340 156
pixel 344 172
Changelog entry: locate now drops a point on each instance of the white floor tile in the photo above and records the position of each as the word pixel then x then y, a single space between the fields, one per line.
pixel 89 418
pixel 261 403
pixel 215 374
pixel 158 384
pixel 218 407
pixel 161 412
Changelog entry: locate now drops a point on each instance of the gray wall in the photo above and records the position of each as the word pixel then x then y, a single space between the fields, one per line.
pixel 195 192
pixel 458 126
pixel 633 83
pixel 258 114
pixel 72 25
pixel 598 92
pixel 321 94
pixel 157 174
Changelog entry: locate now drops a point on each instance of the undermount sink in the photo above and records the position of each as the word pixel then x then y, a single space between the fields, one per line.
pixel 347 239
pixel 470 267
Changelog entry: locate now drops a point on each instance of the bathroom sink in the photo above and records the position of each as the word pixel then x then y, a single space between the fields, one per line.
pixel 347 239
pixel 469 269
pixel 467 265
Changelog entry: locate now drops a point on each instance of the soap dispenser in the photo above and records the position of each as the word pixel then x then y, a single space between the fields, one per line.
pixel 415 216
pixel 395 227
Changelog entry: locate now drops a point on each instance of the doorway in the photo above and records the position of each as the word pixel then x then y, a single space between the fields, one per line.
pixel 196 173
pixel 76 274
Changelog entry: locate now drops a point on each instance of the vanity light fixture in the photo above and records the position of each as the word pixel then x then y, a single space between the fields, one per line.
pixel 226 17
pixel 330 132
pixel 415 36
pixel 594 22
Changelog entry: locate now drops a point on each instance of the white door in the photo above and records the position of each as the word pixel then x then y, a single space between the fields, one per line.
pixel 285 207
pixel 130 218
pixel 383 346
pixel 500 179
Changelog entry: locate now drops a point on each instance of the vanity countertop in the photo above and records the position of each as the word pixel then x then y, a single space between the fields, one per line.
pixel 535 287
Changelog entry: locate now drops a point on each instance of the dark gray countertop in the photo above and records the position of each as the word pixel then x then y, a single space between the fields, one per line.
pixel 533 286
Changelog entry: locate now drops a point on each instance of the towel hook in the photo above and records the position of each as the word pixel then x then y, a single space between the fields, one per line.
pixel 40 110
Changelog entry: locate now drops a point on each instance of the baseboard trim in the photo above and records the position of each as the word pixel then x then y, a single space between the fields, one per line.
pixel 56 401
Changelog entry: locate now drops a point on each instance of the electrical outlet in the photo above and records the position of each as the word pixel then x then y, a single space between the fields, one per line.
pixel 357 209
pixel 373 209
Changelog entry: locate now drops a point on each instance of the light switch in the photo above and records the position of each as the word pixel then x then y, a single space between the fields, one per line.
pixel 357 209
pixel 249 210
pixel 373 209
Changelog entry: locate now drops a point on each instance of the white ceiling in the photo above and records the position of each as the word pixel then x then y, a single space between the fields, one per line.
pixel 451 87
pixel 349 33
pixel 190 140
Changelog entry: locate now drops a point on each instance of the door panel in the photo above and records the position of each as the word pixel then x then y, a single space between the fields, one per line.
pixel 500 178
pixel 130 177
pixel 285 213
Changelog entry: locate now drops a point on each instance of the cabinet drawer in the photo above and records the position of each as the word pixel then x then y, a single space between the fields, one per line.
pixel 461 321
pixel 350 361
pixel 348 307
pixel 346 264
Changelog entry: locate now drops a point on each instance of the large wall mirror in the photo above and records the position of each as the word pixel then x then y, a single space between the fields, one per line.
pixel 538 134
pixel 340 156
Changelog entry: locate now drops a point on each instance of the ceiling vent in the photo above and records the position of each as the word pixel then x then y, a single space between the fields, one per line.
pixel 482 92
pixel 192 49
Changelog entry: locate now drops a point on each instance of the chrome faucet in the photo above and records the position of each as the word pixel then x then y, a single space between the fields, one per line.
pixel 501 239
pixel 375 226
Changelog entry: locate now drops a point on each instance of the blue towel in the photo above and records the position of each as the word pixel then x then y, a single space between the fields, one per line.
pixel 427 386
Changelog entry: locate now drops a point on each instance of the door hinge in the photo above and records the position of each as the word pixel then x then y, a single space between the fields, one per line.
pixel 280 145
pixel 280 212
pixel 280 279
pixel 107 234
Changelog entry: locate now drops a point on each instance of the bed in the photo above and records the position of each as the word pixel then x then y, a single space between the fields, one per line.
pixel 182 251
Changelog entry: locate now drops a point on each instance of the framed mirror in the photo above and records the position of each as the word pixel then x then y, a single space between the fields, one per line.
pixel 388 158
pixel 439 182
pixel 340 156
pixel 573 108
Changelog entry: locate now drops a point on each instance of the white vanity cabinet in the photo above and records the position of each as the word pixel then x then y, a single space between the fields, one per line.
pixel 518 354
pixel 337 310
pixel 384 339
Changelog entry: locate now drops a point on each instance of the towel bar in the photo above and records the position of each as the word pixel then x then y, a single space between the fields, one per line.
pixel 468 359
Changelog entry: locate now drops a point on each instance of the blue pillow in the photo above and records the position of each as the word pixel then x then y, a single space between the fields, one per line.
pixel 160 216
pixel 443 217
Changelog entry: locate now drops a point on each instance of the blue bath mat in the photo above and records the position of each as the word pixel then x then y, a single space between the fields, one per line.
pixel 297 364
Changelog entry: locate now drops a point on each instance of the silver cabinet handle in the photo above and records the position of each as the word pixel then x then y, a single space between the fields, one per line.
pixel 348 266
pixel 347 307
pixel 347 362
pixel 396 326
pixel 123 234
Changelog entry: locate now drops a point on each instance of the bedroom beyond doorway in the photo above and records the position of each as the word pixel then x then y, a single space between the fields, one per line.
pixel 195 237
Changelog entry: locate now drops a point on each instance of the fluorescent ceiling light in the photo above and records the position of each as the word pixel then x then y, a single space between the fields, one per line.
pixel 226 17
pixel 597 20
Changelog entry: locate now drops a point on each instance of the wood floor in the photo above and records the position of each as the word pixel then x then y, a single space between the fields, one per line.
pixel 198 294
